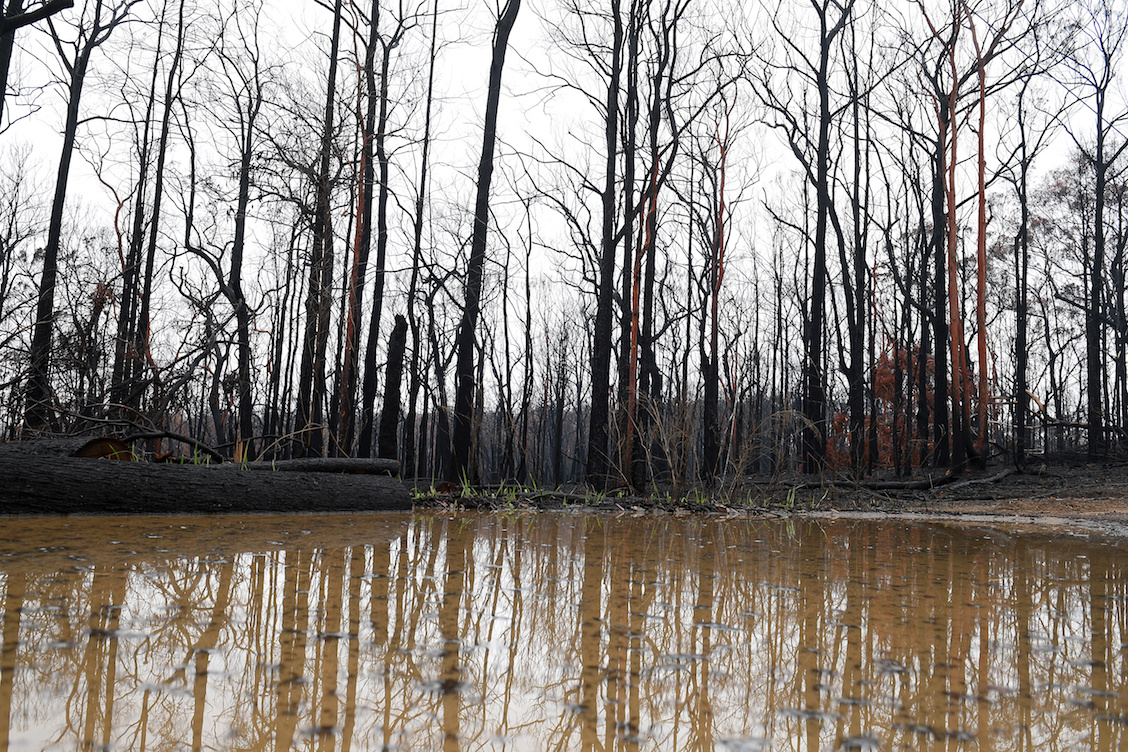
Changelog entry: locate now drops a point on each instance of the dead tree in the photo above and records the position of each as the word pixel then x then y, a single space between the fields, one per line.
pixel 465 384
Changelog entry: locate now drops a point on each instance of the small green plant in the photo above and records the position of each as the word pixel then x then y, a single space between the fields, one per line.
pixel 595 497
pixel 465 490
pixel 789 502
pixel 697 496
pixel 507 495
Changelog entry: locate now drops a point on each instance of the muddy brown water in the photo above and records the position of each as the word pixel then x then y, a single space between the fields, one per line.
pixel 558 632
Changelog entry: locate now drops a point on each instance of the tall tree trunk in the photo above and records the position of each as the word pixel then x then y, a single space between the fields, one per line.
pixel 362 243
pixel 941 436
pixel 814 374
pixel 955 318
pixel 629 286
pixel 1094 333
pixel 121 388
pixel 981 250
pixel 855 272
pixel 1022 435
pixel 598 454
pixel 311 378
pixel 37 395
pixel 368 394
pixel 141 331
pixel 465 387
pixel 711 373
pixel 244 440
pixel 415 375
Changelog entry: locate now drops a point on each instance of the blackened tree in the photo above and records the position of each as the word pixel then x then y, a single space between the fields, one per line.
pixel 465 384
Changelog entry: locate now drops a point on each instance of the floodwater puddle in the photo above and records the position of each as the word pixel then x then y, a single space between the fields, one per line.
pixel 434 631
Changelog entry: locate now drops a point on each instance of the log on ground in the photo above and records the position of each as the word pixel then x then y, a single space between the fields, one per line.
pixel 76 485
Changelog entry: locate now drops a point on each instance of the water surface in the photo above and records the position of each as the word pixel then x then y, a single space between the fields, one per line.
pixel 557 632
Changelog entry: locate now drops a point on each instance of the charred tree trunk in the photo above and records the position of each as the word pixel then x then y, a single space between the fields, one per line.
pixel 599 456
pixel 244 438
pixel 368 393
pixel 941 438
pixel 38 396
pixel 361 245
pixel 1022 434
pixel 814 374
pixel 122 390
pixel 1094 309
pixel 415 370
pixel 311 378
pixel 390 414
pixel 465 386
pixel 135 366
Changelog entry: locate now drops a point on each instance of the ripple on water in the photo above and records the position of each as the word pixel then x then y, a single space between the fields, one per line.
pixel 811 714
pixel 745 744
pixel 963 736
pixel 604 632
pixel 317 732
pixel 889 666
pixel 715 626
pixel 863 743
pixel 442 687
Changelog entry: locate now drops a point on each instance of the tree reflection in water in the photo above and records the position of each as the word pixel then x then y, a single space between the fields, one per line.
pixel 560 632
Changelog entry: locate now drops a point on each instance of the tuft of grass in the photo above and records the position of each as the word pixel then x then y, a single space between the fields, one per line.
pixel 789 502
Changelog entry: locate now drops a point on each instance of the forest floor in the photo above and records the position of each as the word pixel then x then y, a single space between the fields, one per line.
pixel 1064 490
pixel 1060 492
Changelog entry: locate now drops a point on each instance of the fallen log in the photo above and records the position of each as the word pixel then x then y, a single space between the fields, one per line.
pixel 38 484
pixel 929 483
pixel 922 484
pixel 50 446
pixel 360 466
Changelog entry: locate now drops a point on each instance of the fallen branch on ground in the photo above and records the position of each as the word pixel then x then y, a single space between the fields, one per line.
pixel 993 479
pixel 923 484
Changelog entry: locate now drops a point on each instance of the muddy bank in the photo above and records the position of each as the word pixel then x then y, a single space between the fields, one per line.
pixel 44 478
pixel 1093 494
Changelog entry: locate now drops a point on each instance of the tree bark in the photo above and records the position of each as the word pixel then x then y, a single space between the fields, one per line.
pixel 245 433
pixel 598 453
pixel 58 485
pixel 311 378
pixel 412 436
pixel 465 386
pixel 38 396
pixel 141 357
pixel 368 396
pixel 390 414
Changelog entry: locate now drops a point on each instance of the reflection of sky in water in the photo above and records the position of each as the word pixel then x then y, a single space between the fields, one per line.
pixel 557 631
